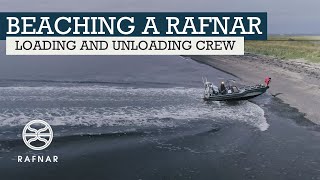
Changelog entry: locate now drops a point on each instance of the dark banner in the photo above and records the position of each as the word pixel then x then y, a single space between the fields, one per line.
pixel 251 26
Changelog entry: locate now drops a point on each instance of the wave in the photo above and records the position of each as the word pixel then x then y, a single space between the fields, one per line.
pixel 121 106
pixel 79 136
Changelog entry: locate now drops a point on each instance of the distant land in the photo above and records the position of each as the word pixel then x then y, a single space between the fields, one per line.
pixel 302 47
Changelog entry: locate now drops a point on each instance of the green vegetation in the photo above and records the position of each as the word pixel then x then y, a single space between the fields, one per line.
pixel 287 47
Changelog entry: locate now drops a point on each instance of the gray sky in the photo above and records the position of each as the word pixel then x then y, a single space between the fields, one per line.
pixel 284 16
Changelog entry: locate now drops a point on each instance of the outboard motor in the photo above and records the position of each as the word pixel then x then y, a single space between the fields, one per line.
pixel 208 90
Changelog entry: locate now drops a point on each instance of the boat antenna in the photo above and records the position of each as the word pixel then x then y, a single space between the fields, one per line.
pixel 204 80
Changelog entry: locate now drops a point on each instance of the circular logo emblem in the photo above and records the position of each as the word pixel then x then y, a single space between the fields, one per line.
pixel 37 135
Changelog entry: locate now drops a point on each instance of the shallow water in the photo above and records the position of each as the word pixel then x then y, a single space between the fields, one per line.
pixel 142 117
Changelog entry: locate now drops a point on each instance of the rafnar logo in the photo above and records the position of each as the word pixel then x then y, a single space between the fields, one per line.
pixel 31 134
pixel 37 135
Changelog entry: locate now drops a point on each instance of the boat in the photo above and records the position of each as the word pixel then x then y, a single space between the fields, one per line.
pixel 233 93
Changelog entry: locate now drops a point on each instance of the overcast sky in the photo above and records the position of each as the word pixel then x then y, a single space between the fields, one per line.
pixel 284 16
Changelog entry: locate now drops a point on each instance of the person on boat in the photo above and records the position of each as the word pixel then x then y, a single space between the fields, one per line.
pixel 267 80
pixel 222 88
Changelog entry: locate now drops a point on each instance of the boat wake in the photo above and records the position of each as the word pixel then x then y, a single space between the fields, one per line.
pixel 104 106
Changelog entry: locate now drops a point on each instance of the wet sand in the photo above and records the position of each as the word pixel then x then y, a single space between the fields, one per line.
pixel 296 82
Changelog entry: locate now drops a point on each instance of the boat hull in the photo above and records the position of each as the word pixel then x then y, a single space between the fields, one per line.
pixel 245 95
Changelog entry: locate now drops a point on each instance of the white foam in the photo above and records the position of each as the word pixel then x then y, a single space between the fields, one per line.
pixel 169 113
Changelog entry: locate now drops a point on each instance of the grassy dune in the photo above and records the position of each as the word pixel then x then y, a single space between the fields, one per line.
pixel 287 47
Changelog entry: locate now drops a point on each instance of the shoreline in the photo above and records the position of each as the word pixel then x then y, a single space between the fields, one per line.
pixel 295 82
